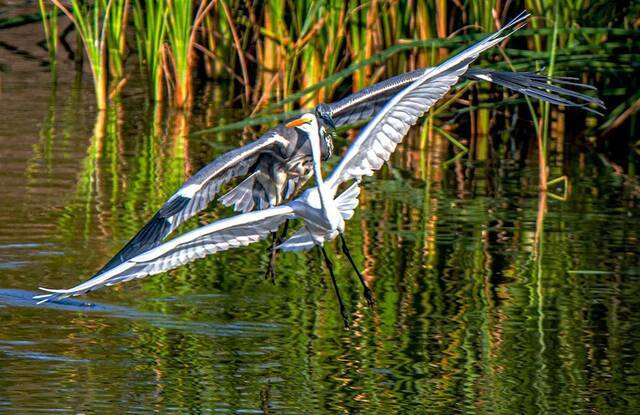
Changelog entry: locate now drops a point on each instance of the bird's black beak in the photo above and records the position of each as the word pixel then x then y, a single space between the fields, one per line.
pixel 323 112
pixel 329 120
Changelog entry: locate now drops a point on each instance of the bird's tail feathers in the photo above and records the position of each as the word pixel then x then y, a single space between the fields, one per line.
pixel 347 201
pixel 539 86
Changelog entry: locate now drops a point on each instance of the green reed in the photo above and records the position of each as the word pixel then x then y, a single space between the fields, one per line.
pixel 178 34
pixel 150 23
pixel 91 24
pixel 50 26
pixel 182 29
pixel 116 38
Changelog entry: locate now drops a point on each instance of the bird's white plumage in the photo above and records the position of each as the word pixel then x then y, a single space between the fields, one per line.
pixel 379 138
pixel 221 235
pixel 311 234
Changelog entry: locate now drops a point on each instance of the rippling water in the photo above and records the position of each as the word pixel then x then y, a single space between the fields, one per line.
pixel 490 298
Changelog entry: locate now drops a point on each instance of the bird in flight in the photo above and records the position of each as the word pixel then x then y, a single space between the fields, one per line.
pixel 322 209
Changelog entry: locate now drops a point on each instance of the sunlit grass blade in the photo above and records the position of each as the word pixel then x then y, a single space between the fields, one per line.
pixel 116 36
pixel 91 23
pixel 50 26
pixel 150 22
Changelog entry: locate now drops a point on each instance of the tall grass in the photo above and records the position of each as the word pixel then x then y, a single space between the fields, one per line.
pixel 91 24
pixel 116 40
pixel 150 23
pixel 279 55
pixel 50 26
pixel 181 35
pixel 178 35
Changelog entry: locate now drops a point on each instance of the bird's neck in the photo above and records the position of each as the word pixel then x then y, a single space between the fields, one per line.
pixel 326 197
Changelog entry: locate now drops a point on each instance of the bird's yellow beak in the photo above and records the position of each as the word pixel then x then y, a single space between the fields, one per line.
pixel 297 122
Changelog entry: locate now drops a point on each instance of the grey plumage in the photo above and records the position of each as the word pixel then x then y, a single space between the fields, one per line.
pixel 364 104
pixel 278 150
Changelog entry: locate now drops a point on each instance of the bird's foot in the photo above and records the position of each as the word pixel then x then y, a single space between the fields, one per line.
pixel 345 318
pixel 270 274
pixel 368 296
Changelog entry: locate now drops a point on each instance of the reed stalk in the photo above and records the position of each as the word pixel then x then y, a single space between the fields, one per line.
pixel 178 34
pixel 150 24
pixel 181 33
pixel 544 141
pixel 116 39
pixel 50 26
pixel 91 24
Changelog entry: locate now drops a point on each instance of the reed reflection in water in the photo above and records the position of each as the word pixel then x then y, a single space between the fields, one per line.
pixel 491 296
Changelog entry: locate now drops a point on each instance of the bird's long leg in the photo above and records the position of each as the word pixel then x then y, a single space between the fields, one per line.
pixel 275 240
pixel 284 232
pixel 366 290
pixel 271 268
pixel 343 310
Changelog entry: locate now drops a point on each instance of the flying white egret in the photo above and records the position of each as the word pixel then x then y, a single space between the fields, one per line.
pixel 322 212
pixel 278 164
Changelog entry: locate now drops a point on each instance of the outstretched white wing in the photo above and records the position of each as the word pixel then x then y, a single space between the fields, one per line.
pixel 379 138
pixel 240 230
pixel 366 103
pixel 197 192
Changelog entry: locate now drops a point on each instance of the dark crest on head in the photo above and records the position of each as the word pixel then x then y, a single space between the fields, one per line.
pixel 323 112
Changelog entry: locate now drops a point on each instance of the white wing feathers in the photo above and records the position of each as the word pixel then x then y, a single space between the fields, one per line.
pixel 379 138
pixel 346 203
pixel 221 235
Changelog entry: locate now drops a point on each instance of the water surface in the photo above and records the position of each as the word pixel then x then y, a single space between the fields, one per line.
pixel 490 297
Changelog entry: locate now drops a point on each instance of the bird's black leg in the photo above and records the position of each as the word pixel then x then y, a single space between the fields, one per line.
pixel 343 311
pixel 271 268
pixel 275 241
pixel 284 232
pixel 366 290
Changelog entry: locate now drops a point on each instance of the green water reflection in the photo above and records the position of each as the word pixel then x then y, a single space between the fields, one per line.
pixel 490 297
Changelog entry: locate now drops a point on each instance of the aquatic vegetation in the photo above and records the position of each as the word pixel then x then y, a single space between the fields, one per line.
pixel 50 27
pixel 91 24
pixel 116 27
pixel 150 23
pixel 181 33
pixel 271 51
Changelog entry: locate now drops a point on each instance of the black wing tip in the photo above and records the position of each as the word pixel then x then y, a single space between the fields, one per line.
pixel 544 88
pixel 151 235
pixel 173 206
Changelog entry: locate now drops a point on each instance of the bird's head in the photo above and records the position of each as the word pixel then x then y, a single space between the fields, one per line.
pixel 308 124
pixel 323 112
